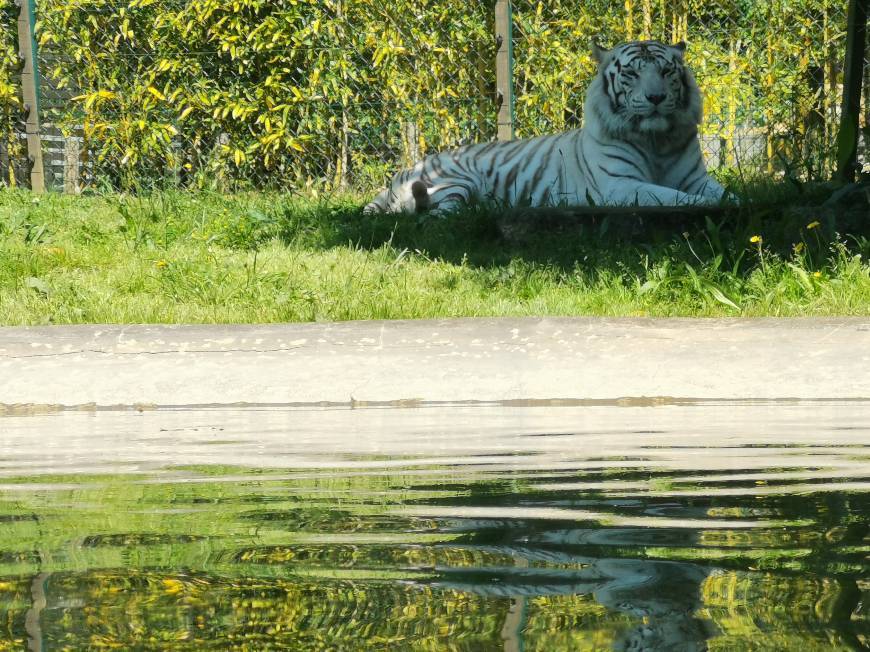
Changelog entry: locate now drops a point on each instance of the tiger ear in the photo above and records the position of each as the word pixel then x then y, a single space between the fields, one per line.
pixel 599 53
pixel 680 47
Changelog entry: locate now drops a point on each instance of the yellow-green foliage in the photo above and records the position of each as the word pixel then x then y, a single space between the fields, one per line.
pixel 285 88
pixel 9 103
pixel 339 93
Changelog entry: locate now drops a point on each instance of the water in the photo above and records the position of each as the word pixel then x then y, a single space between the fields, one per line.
pixel 504 527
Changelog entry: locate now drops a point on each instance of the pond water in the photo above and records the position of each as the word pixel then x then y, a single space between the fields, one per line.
pixel 721 526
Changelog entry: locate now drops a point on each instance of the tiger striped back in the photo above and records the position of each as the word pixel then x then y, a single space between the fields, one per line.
pixel 638 146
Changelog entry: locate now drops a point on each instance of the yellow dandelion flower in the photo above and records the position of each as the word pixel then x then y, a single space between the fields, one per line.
pixel 172 586
pixel 813 225
pixel 160 264
pixel 755 239
pixel 799 247
pixel 817 274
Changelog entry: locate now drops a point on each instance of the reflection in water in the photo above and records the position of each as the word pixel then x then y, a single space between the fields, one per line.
pixel 667 528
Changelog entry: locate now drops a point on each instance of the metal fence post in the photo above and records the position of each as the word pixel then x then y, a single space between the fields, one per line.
pixel 30 91
pixel 504 69
pixel 847 138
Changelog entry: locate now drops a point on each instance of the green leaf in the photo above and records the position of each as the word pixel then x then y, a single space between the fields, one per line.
pixel 649 286
pixel 717 294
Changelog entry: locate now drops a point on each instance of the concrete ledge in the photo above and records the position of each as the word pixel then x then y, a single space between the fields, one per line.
pixel 443 360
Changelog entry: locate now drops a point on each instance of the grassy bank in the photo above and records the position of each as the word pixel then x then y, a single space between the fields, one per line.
pixel 259 258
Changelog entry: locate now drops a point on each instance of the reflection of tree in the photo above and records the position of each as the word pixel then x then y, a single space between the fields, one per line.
pixel 31 619
pixel 817 599
pixel 515 620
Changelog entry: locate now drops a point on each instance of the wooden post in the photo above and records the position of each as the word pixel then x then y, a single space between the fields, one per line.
pixel 30 91
pixel 411 136
pixel 71 163
pixel 343 162
pixel 847 138
pixel 5 171
pixel 504 69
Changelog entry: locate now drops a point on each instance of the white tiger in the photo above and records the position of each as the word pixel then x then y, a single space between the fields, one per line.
pixel 638 146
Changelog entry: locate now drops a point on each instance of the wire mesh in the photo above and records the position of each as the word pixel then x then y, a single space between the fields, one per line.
pixel 328 95
pixel 10 106
pixel 305 95
pixel 770 72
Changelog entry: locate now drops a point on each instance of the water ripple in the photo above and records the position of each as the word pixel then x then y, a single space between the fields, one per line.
pixel 666 527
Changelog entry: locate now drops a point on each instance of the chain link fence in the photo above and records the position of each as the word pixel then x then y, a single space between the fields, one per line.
pixel 335 95
pixel 771 72
pixel 10 105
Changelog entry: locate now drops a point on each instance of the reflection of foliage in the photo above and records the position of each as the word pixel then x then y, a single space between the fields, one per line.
pixel 284 560
pixel 168 611
pixel 744 604
pixel 572 622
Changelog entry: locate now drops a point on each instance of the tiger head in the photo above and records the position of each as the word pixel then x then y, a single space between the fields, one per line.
pixel 643 88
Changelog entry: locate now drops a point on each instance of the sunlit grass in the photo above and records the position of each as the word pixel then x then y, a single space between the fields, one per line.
pixel 205 258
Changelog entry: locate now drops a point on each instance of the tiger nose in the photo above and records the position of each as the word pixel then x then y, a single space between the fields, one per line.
pixel 656 99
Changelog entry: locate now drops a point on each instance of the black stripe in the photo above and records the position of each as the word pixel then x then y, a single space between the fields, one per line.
pixel 613 95
pixel 460 162
pixel 539 174
pixel 642 154
pixel 532 184
pixel 694 169
pixel 452 175
pixel 625 160
pixel 437 168
pixel 481 155
pixel 687 185
pixel 437 197
pixel 467 188
pixel 456 195
pixel 585 164
pixel 510 152
pixel 625 144
pixel 509 181
pixel 489 171
pixel 619 176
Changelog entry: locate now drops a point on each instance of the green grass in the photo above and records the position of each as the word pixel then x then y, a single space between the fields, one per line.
pixel 207 258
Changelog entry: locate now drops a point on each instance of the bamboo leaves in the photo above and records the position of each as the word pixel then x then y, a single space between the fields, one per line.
pixel 315 93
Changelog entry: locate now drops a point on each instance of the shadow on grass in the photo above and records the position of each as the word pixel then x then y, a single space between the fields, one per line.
pixel 777 221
